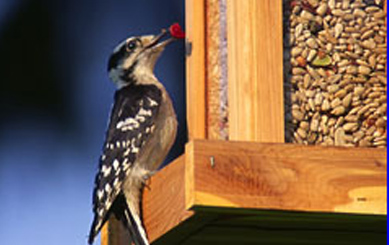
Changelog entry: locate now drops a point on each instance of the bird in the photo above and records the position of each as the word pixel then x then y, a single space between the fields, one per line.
pixel 141 130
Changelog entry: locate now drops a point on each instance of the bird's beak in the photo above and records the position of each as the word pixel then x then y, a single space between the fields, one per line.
pixel 155 44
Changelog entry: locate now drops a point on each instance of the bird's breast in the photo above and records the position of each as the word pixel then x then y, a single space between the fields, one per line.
pixel 163 137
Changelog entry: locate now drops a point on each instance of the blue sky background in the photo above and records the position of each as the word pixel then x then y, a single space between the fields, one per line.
pixel 55 97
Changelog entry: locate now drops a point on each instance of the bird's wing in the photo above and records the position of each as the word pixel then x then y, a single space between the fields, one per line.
pixel 132 121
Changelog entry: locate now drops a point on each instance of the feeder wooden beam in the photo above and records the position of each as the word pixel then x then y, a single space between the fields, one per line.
pixel 244 176
pixel 255 70
pixel 195 69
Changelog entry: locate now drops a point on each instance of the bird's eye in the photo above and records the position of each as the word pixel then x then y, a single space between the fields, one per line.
pixel 131 45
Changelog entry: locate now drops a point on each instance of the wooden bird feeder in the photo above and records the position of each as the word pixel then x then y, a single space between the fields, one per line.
pixel 247 185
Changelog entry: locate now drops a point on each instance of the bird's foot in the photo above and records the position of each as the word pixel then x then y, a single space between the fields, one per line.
pixel 147 179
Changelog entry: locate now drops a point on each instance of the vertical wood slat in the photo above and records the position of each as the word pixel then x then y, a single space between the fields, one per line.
pixel 255 70
pixel 195 69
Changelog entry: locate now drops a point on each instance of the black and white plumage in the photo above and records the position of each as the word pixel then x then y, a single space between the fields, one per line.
pixel 141 131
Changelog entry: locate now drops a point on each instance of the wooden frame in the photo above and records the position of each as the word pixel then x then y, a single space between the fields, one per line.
pixel 255 82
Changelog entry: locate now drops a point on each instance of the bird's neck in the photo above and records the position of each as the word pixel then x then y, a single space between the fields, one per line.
pixel 140 78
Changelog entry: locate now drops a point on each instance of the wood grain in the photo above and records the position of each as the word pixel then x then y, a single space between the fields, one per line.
pixel 255 70
pixel 195 69
pixel 287 177
pixel 164 200
pixel 297 187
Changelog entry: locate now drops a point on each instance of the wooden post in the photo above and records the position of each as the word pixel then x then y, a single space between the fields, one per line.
pixel 195 69
pixel 255 75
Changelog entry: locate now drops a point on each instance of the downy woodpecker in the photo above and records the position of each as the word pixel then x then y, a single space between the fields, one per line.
pixel 141 131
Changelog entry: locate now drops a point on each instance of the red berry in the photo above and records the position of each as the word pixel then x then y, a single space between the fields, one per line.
pixel 176 31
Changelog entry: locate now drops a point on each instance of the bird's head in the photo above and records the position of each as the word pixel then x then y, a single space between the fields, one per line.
pixel 133 60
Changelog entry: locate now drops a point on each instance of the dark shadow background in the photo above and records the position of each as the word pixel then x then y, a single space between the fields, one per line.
pixel 55 97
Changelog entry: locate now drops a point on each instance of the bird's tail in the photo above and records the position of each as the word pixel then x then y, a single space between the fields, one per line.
pixel 134 224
